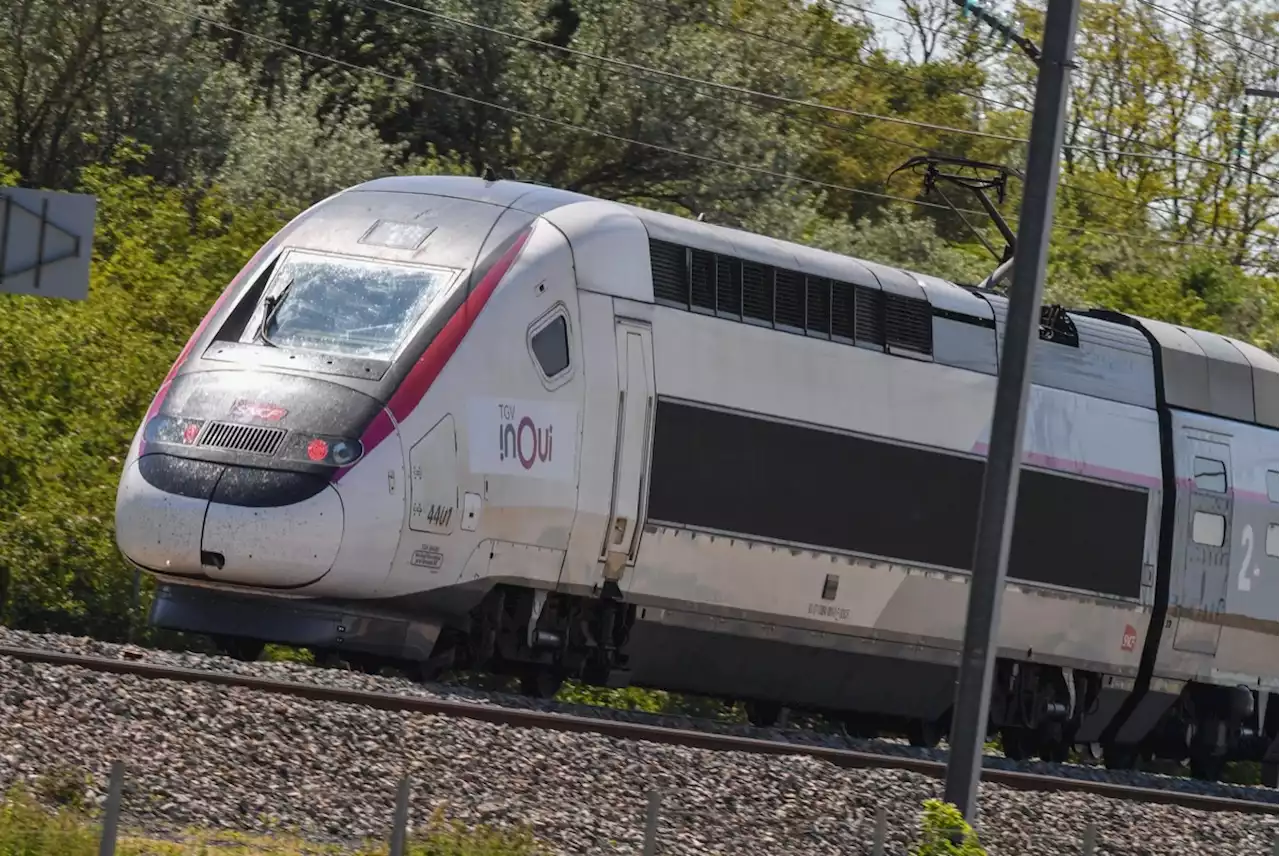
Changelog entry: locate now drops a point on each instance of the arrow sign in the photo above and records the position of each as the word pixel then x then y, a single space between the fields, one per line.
pixel 46 242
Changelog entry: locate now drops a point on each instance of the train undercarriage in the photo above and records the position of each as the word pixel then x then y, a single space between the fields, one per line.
pixel 543 639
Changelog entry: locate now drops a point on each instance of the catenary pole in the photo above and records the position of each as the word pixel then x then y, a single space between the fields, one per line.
pixel 1000 478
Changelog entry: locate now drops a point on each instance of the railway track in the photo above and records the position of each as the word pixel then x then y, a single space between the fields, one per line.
pixel 522 718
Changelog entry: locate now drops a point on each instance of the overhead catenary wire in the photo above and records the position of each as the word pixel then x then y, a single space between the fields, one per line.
pixel 1137 203
pixel 797 102
pixel 607 60
pixel 780 112
pixel 1207 29
pixel 840 58
pixel 620 138
pixel 546 119
pixel 710 84
pixel 1010 49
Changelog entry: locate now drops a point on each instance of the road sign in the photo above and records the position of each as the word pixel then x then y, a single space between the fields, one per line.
pixel 46 241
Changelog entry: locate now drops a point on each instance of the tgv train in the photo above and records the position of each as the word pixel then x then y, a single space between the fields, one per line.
pixel 459 423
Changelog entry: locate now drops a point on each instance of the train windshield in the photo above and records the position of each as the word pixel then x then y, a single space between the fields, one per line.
pixel 354 307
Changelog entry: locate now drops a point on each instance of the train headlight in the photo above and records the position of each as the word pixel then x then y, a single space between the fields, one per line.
pixel 344 452
pixel 329 451
pixel 173 429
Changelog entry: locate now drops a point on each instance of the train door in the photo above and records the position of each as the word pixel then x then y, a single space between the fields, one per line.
pixel 631 454
pixel 1207 517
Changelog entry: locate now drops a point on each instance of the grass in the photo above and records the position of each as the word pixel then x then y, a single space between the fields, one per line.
pixel 27 828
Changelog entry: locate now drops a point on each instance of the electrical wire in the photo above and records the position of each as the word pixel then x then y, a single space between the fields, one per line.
pixel 886 72
pixel 711 84
pixel 1204 28
pixel 607 60
pixel 782 99
pixel 1011 49
pixel 619 138
pixel 840 58
pixel 545 119
pixel 779 112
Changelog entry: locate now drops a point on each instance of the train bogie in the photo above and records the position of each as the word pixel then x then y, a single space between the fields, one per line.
pixel 632 448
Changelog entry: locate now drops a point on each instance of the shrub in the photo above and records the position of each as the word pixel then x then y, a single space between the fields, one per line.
pixel 944 832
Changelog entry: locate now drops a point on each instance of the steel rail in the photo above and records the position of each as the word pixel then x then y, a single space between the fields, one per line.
pixel 498 714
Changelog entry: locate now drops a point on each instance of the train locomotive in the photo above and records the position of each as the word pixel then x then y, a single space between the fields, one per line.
pixel 451 422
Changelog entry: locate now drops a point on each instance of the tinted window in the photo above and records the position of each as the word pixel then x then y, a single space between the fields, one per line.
pixel 1210 475
pixel 1271 540
pixel 1271 485
pixel 551 347
pixel 357 307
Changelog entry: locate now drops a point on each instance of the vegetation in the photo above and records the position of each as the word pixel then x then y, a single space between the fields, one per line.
pixel 27 828
pixel 201 128
pixel 944 832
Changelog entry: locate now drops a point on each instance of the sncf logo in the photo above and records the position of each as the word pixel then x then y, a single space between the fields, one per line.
pixel 521 438
pixel 256 410
pixel 1130 638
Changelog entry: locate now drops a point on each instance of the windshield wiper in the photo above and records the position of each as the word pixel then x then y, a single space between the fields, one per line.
pixel 272 304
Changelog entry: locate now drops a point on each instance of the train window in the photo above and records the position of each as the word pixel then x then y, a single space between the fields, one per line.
pixel 550 346
pixel 1210 475
pixel 1208 529
pixel 342 305
pixel 1271 486
pixel 1271 540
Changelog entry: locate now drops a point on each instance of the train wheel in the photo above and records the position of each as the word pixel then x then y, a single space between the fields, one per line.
pixel 763 714
pixel 239 648
pixel 926 735
pixel 1119 757
pixel 1055 752
pixel 1207 767
pixel 540 683
pixel 1018 743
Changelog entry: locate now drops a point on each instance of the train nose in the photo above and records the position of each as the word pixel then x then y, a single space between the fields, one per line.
pixel 234 524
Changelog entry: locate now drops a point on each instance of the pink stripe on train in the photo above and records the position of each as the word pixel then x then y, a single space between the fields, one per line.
pixel 1082 468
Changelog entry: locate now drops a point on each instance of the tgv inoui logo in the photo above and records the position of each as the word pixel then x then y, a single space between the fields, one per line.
pixel 529 438
pixel 521 438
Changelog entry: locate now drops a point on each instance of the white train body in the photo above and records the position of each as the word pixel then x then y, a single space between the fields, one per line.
pixel 747 468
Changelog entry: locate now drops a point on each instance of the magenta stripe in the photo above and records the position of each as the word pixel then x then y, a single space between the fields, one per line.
pixel 1083 468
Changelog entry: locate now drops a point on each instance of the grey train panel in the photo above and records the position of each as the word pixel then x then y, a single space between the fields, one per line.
pixel 529 198
pixel 1185 368
pixel 964 327
pixel 708 662
pixel 1110 361
pixel 896 281
pixel 1230 376
pixel 963 343
pixel 1266 383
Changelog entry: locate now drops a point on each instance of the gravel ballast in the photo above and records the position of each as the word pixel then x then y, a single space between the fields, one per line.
pixel 214 756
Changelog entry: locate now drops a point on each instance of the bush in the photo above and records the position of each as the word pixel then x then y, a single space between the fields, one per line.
pixel 944 832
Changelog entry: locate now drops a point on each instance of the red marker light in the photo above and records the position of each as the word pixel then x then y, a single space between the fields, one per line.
pixel 317 450
pixel 190 433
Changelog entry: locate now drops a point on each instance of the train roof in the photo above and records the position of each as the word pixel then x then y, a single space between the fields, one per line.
pixel 1201 371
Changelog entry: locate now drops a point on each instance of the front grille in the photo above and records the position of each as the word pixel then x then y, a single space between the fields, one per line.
pixel 242 438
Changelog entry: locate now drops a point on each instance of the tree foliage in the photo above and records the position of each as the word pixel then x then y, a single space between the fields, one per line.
pixel 200 126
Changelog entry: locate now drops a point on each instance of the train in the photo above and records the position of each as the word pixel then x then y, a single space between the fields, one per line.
pixel 454 423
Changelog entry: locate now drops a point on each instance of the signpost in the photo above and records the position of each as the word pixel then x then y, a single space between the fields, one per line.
pixel 1004 458
pixel 46 242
